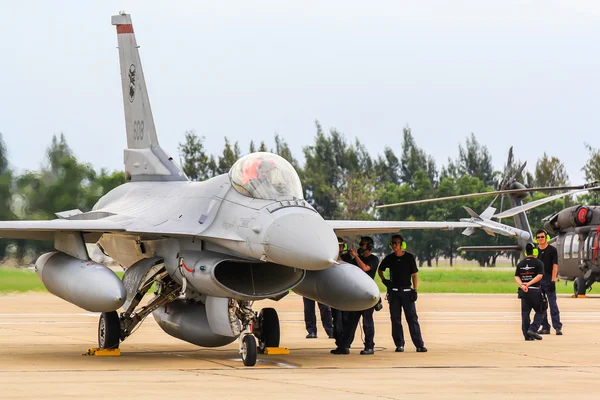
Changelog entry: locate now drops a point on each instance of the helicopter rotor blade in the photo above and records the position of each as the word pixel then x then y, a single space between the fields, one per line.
pixel 591 185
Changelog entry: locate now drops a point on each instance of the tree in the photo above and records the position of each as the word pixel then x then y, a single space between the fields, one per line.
pixel 228 158
pixel 387 167
pixel 473 160
pixel 282 149
pixel 62 184
pixel 357 197
pixel 6 182
pixel 196 163
pixel 550 171
pixel 591 169
pixel 328 162
pixel 414 159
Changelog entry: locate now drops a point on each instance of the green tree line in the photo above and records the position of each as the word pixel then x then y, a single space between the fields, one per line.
pixel 340 178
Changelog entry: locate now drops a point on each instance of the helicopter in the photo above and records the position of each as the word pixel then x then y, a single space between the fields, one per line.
pixel 577 228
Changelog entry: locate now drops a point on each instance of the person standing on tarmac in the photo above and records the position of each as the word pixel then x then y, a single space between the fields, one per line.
pixel 310 318
pixel 528 275
pixel 401 295
pixel 549 256
pixel 368 263
pixel 338 315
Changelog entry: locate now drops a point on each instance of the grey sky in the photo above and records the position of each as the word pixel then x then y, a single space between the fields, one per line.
pixel 522 73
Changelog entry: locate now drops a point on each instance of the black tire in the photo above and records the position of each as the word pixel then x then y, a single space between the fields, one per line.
pixel 579 286
pixel 249 351
pixel 109 330
pixel 268 321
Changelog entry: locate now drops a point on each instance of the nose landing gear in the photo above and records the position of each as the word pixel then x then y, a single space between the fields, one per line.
pixel 263 327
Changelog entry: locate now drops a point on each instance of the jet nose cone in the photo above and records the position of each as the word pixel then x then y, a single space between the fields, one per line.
pixel 302 240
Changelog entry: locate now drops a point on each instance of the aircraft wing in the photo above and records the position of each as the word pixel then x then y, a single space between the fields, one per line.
pixel 45 229
pixel 350 228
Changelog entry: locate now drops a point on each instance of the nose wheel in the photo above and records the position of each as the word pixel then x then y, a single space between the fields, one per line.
pixel 248 349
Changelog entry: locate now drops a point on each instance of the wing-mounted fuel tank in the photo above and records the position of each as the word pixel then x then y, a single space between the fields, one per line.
pixel 89 285
pixel 343 286
pixel 194 322
pixel 572 217
pixel 219 275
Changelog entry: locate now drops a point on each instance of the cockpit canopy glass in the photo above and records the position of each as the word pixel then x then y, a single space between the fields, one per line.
pixel 265 176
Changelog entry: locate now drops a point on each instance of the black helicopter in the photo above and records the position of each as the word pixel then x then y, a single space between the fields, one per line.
pixel 577 228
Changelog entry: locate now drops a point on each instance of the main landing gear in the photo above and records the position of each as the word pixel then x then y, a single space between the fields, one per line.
pixel 113 329
pixel 263 327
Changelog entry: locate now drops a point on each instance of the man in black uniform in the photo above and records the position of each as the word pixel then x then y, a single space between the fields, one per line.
pixel 528 274
pixel 338 315
pixel 368 263
pixel 549 256
pixel 401 295
pixel 310 318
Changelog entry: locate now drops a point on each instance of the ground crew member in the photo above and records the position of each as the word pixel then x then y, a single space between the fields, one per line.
pixel 338 315
pixel 310 318
pixel 549 256
pixel 368 262
pixel 401 295
pixel 528 275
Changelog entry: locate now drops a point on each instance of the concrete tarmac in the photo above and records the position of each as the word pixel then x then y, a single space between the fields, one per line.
pixel 476 350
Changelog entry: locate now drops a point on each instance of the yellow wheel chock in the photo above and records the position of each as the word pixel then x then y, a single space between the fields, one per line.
pixel 102 352
pixel 276 350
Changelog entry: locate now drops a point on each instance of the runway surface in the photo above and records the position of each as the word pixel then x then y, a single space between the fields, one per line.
pixel 475 347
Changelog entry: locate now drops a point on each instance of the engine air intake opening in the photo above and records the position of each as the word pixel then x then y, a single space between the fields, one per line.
pixel 257 279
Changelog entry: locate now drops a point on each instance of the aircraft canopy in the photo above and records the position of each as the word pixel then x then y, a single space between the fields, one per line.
pixel 265 176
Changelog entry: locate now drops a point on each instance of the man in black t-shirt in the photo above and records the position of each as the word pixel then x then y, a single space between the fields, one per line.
pixel 403 270
pixel 549 256
pixel 368 262
pixel 528 274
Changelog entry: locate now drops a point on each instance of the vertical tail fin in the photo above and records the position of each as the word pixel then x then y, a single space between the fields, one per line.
pixel 144 158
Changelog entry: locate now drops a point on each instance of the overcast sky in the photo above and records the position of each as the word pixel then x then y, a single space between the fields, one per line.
pixel 522 73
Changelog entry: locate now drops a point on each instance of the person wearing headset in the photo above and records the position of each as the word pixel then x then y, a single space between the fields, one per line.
pixel 528 275
pixel 549 256
pixel 337 315
pixel 401 294
pixel 368 262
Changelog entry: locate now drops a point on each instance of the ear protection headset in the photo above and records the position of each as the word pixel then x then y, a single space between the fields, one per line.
pixel 403 245
pixel 344 245
pixel 369 241
pixel 534 253
pixel 547 237
pixel 534 250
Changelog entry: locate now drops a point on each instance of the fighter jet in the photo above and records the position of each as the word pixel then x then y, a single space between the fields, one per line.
pixel 211 248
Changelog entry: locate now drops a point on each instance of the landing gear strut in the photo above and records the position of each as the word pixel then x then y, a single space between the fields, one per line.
pixel 263 327
pixel 113 329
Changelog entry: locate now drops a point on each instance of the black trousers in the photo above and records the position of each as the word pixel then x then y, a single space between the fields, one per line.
pixel 531 300
pixel 351 319
pixel 310 318
pixel 338 317
pixel 399 300
pixel 549 288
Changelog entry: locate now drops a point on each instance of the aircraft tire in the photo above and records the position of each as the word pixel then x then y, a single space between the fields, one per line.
pixel 269 329
pixel 109 330
pixel 249 351
pixel 579 285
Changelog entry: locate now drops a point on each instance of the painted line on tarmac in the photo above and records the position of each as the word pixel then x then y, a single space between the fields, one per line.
pixel 50 315
pixel 46 322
